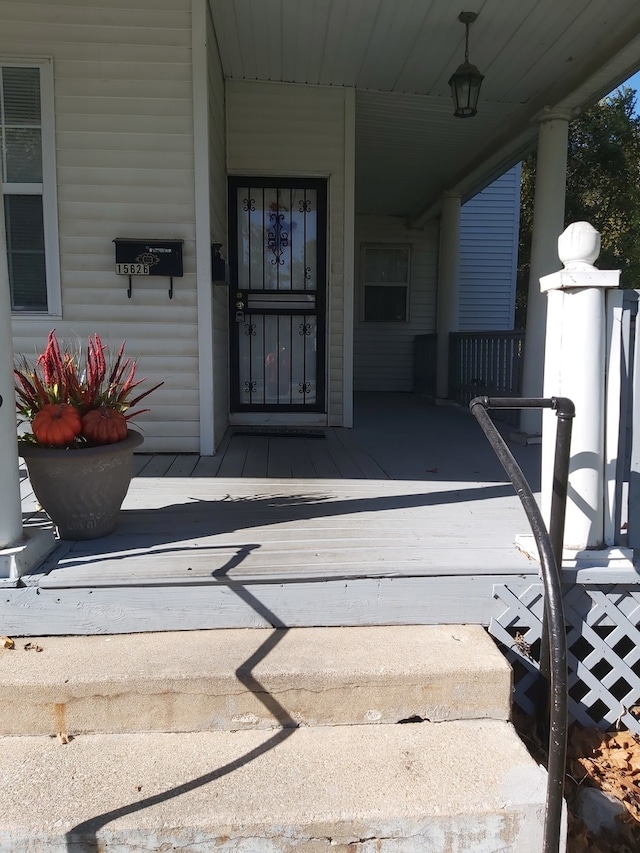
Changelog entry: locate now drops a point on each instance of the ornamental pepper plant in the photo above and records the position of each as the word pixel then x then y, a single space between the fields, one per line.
pixel 72 398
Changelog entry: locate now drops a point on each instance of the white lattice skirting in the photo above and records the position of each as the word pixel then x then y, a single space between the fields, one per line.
pixel 603 644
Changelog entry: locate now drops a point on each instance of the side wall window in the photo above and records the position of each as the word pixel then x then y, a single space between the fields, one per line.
pixel 28 185
pixel 386 283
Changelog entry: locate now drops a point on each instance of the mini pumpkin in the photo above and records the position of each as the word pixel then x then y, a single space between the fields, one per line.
pixel 56 424
pixel 104 426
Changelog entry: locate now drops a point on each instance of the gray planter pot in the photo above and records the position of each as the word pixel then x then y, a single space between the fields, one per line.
pixel 81 490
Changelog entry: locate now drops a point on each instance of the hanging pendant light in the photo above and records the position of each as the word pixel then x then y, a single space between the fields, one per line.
pixel 466 80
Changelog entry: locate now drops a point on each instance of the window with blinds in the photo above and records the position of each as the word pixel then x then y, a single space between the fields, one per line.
pixel 386 283
pixel 22 183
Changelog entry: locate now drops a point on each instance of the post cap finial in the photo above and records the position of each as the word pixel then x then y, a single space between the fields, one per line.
pixel 579 246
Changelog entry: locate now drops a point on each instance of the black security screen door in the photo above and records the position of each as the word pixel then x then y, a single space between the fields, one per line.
pixel 278 287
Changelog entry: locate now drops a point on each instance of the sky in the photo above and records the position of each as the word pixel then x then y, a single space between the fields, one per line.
pixel 634 82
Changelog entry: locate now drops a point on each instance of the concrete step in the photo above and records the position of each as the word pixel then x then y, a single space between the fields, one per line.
pixel 197 681
pixel 452 787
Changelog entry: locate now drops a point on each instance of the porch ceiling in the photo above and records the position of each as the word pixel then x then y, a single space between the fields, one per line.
pixel 399 55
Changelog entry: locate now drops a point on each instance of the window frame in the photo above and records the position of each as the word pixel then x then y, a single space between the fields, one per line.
pixel 47 189
pixel 405 247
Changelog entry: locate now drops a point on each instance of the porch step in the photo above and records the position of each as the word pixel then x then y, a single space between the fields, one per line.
pixel 446 787
pixel 345 740
pixel 251 679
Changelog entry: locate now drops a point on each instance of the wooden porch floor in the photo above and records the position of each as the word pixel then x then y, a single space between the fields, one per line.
pixel 407 518
pixel 395 437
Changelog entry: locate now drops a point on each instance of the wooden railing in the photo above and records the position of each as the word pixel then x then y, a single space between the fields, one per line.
pixel 622 421
pixel 486 363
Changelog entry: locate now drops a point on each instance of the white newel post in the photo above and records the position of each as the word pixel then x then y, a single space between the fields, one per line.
pixel 575 368
pixel 448 286
pixel 19 550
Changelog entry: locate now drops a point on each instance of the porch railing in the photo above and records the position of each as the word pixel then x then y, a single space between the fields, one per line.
pixel 486 363
pixel 622 414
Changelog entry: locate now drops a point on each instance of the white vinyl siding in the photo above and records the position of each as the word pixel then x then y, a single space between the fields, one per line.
pixel 489 225
pixel 384 352
pixel 124 152
pixel 283 130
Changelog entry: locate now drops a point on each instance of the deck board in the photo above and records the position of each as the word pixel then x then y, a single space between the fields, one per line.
pixel 35 611
pixel 281 452
pixel 140 462
pixel 302 466
pixel 207 466
pixel 256 463
pixel 367 464
pixel 234 459
pixel 183 465
pixel 344 460
pixel 158 465
pixel 321 459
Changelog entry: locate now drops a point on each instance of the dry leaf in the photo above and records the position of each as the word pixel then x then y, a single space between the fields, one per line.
pixel 610 762
pixel 32 647
pixel 7 643
pixel 63 737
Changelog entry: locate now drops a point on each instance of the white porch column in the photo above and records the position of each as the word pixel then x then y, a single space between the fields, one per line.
pixel 575 368
pixel 19 550
pixel 448 286
pixel 10 512
pixel 548 222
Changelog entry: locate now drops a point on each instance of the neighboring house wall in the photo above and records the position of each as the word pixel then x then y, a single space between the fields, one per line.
pixel 298 131
pixel 124 150
pixel 383 352
pixel 489 226
pixel 218 221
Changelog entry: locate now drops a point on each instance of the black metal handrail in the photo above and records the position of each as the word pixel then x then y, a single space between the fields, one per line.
pixel 553 646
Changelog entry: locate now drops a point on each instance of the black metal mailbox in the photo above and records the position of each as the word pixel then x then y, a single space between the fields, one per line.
pixel 149 258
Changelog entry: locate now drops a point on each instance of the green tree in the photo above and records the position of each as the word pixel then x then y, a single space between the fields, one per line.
pixel 603 188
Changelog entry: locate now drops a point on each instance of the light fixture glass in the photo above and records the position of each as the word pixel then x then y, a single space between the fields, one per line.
pixel 466 80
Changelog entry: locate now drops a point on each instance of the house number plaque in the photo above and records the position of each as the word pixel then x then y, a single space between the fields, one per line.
pixel 148 258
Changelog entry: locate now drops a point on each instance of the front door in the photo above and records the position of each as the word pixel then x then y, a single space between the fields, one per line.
pixel 278 286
